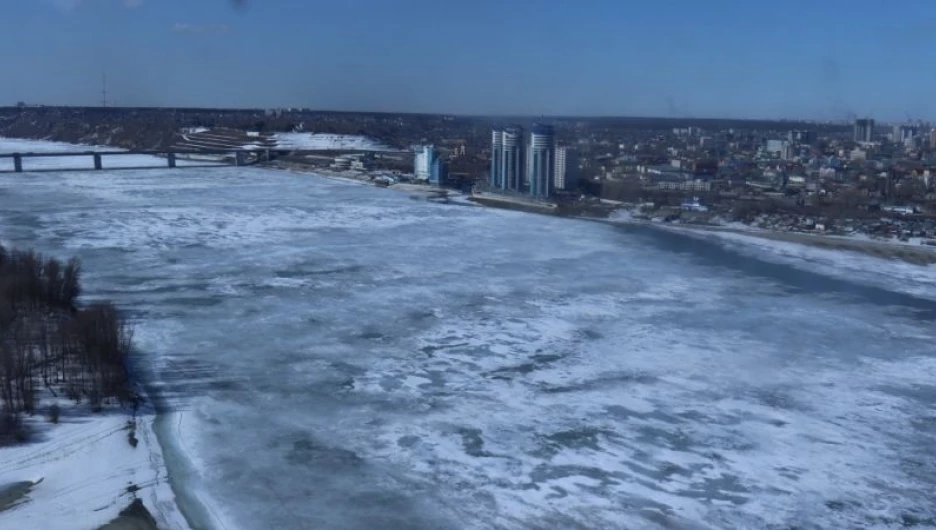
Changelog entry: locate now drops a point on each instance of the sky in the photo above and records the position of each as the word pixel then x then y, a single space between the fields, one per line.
pixel 789 59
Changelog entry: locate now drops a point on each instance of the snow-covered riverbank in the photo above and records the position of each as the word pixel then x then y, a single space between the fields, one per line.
pixel 85 472
pixel 911 252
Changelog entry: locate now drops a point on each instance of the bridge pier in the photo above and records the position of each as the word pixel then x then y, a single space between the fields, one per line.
pixel 172 160
pixel 239 158
pixel 97 161
pixel 17 162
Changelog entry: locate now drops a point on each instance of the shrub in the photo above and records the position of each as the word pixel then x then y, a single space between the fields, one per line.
pixel 12 429
pixel 73 392
pixel 95 400
pixel 131 433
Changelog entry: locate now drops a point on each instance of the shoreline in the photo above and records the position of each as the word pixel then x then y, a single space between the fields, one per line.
pixel 175 461
pixel 179 465
pixel 912 254
pixel 920 255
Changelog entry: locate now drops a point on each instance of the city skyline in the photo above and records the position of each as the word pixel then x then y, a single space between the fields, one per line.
pixel 605 58
pixel 529 161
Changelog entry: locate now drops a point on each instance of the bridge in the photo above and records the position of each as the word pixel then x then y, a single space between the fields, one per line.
pixel 225 157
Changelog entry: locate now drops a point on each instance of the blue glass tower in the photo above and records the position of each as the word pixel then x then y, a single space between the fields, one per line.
pixel 507 160
pixel 437 171
pixel 541 161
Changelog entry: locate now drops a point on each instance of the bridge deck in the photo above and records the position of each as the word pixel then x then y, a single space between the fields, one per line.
pixel 28 154
pixel 121 168
pixel 239 157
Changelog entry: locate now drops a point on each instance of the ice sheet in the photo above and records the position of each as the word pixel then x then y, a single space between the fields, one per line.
pixel 346 357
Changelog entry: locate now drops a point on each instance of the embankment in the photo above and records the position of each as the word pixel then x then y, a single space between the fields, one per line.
pixel 916 255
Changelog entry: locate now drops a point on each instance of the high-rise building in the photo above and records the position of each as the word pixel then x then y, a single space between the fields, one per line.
pixel 560 173
pixel 541 161
pixel 512 159
pixel 864 130
pixel 567 167
pixel 422 167
pixel 507 158
pixel 801 136
pixel 904 134
pixel 438 171
pixel 429 165
pixel 497 155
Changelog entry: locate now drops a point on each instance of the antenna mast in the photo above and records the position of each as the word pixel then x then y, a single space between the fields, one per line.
pixel 104 89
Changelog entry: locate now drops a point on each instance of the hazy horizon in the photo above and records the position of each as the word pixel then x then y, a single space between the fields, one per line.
pixel 595 58
pixel 841 121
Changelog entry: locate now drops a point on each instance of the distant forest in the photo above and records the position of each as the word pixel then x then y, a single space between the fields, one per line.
pixel 50 347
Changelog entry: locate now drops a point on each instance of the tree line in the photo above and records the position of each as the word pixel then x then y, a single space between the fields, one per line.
pixel 48 342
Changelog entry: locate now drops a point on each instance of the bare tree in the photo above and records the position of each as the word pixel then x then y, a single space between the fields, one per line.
pixel 46 339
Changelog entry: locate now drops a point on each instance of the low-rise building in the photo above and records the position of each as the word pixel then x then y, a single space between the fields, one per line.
pixel 342 163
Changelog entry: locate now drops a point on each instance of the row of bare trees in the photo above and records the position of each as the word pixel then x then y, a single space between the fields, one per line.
pixel 48 342
pixel 29 282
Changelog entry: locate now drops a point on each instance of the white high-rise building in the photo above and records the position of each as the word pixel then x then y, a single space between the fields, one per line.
pixel 422 168
pixel 561 168
pixel 567 167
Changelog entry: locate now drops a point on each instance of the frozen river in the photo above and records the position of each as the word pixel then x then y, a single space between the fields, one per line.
pixel 338 356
